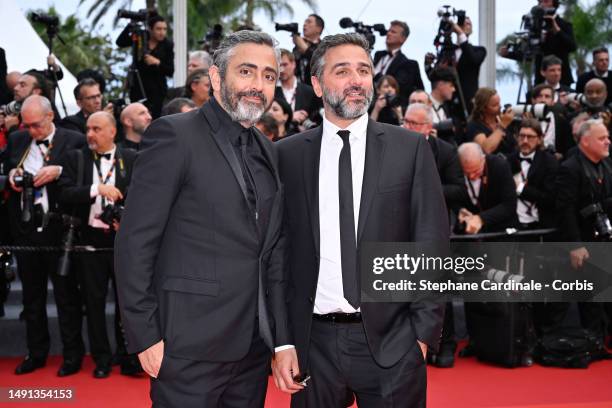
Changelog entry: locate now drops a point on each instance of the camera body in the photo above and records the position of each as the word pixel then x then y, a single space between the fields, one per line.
pixel 293 28
pixel 111 213
pixel 26 182
pixel 366 30
pixel 141 15
pixel 392 100
pixel 599 219
pixel 46 19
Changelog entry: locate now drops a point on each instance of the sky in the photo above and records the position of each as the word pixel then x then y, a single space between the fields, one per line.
pixel 420 15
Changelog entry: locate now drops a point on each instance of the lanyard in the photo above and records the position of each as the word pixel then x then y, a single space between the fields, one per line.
pixel 98 166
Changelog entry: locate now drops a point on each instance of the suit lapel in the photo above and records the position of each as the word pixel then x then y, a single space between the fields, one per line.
pixel 312 153
pixel 533 169
pixel 375 147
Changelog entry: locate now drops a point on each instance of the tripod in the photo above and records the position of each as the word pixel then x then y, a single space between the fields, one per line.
pixel 139 41
pixel 52 32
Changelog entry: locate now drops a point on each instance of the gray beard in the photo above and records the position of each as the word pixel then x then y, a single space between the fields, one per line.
pixel 241 111
pixel 337 102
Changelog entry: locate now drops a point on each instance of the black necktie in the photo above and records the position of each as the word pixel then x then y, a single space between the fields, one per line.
pixel 246 172
pixel 526 159
pixel 43 142
pixel 348 244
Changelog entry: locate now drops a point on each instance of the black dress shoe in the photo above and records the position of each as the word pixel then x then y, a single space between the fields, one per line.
pixel 69 367
pixel 468 351
pixel 445 358
pixel 130 365
pixel 102 371
pixel 30 364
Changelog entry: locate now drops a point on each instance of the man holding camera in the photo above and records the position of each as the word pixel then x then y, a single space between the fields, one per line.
pixel 305 45
pixel 555 127
pixel 393 62
pixel 468 59
pixel 95 197
pixel 34 156
pixel 601 63
pixel 583 205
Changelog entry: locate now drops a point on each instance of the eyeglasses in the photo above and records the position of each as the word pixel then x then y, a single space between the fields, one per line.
pixel 35 125
pixel 526 136
pixel 413 123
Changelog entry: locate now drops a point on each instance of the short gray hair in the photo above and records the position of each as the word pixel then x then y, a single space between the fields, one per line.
pixel 586 128
pixel 470 150
pixel 38 101
pixel 423 107
pixel 317 63
pixel 222 55
pixel 202 56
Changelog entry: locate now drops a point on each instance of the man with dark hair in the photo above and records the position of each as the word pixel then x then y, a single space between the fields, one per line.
pixel 155 64
pixel 601 63
pixel 306 44
pixel 442 90
pixel 393 62
pixel 30 83
pixel 551 72
pixel 89 98
pixel 468 58
pixel 341 181
pixel 178 105
pixel 555 127
pixel 39 151
pixel 199 252
pixel 298 95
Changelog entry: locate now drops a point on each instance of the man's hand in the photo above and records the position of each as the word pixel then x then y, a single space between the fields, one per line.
pixel 506 118
pixel 11 121
pixel 423 347
pixel 151 358
pixel 46 175
pixel 110 192
pixel 12 174
pixel 457 29
pixel 553 23
pixel 578 257
pixel 381 102
pixel 284 368
pixel 151 60
pixel 473 224
pixel 300 116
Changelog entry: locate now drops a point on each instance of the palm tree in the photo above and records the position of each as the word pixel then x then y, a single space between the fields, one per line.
pixel 271 8
pixel 592 28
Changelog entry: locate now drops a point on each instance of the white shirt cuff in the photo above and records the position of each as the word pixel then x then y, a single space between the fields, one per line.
pixel 285 347
pixel 93 191
pixel 520 187
pixel 462 38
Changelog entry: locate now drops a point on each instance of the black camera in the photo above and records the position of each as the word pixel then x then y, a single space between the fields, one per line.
pixel 11 108
pixel 446 15
pixel 26 182
pixel 111 213
pixel 392 100
pixel 212 39
pixel 599 219
pixel 140 15
pixel 291 27
pixel 366 30
pixel 45 19
pixel 446 131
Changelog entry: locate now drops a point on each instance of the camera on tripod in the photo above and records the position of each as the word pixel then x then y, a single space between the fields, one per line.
pixel 140 15
pixel 293 28
pixel 46 19
pixel 599 219
pixel 366 30
pixel 527 43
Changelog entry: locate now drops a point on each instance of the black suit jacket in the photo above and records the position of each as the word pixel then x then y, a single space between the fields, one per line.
pixel 405 71
pixel 560 44
pixel 587 76
pixel 6 94
pixel 76 122
pixel 540 186
pixel 77 198
pixel 468 69
pixel 305 99
pixel 191 266
pixel 574 192
pixel 496 198
pixel 451 175
pixel 18 143
pixel 401 200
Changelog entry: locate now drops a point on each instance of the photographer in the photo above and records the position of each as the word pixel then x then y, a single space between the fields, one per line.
pixel 468 59
pixel 89 98
pixel 305 45
pixel 595 95
pixel 156 64
pixel 107 170
pixel 584 194
pixel 28 84
pixel 551 73
pixel 601 63
pixel 555 127
pixel 34 157
pixel 393 62
pixel 386 108
pixel 442 90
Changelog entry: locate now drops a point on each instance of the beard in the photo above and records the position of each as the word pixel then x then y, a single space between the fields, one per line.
pixel 240 110
pixel 345 110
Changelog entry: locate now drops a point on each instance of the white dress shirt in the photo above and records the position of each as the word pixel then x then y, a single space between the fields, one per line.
pixel 526 210
pixel 548 128
pixel 475 186
pixel 461 38
pixel 385 61
pixel 34 162
pixel 96 207
pixel 330 295
pixel 290 93
pixel 438 110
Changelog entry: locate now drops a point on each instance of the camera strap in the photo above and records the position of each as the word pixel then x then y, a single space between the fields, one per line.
pixel 595 176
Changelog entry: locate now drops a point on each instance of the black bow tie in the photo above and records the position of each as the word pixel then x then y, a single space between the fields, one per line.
pixel 44 142
pixel 106 156
pixel 526 159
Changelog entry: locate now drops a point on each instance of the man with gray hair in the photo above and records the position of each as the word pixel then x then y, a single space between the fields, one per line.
pixel 37 154
pixel 197 60
pixel 349 181
pixel 199 252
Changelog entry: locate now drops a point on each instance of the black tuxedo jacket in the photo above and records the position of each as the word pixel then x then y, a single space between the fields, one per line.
pixel 560 44
pixel 305 99
pixel 18 143
pixel 587 76
pixel 405 71
pixel 76 122
pixel 496 198
pixel 451 175
pixel 563 134
pixel 191 266
pixel 540 186
pixel 468 69
pixel 574 192
pixel 78 197
pixel 401 200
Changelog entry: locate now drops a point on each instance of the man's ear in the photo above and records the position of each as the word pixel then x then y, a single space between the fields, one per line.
pixel 215 78
pixel 316 86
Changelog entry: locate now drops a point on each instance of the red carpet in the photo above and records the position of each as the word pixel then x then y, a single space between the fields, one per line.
pixel 469 384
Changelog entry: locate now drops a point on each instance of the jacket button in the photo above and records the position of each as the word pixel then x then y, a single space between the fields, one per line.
pixel 311 299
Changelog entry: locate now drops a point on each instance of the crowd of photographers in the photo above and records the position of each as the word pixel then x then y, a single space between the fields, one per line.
pixel 543 164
